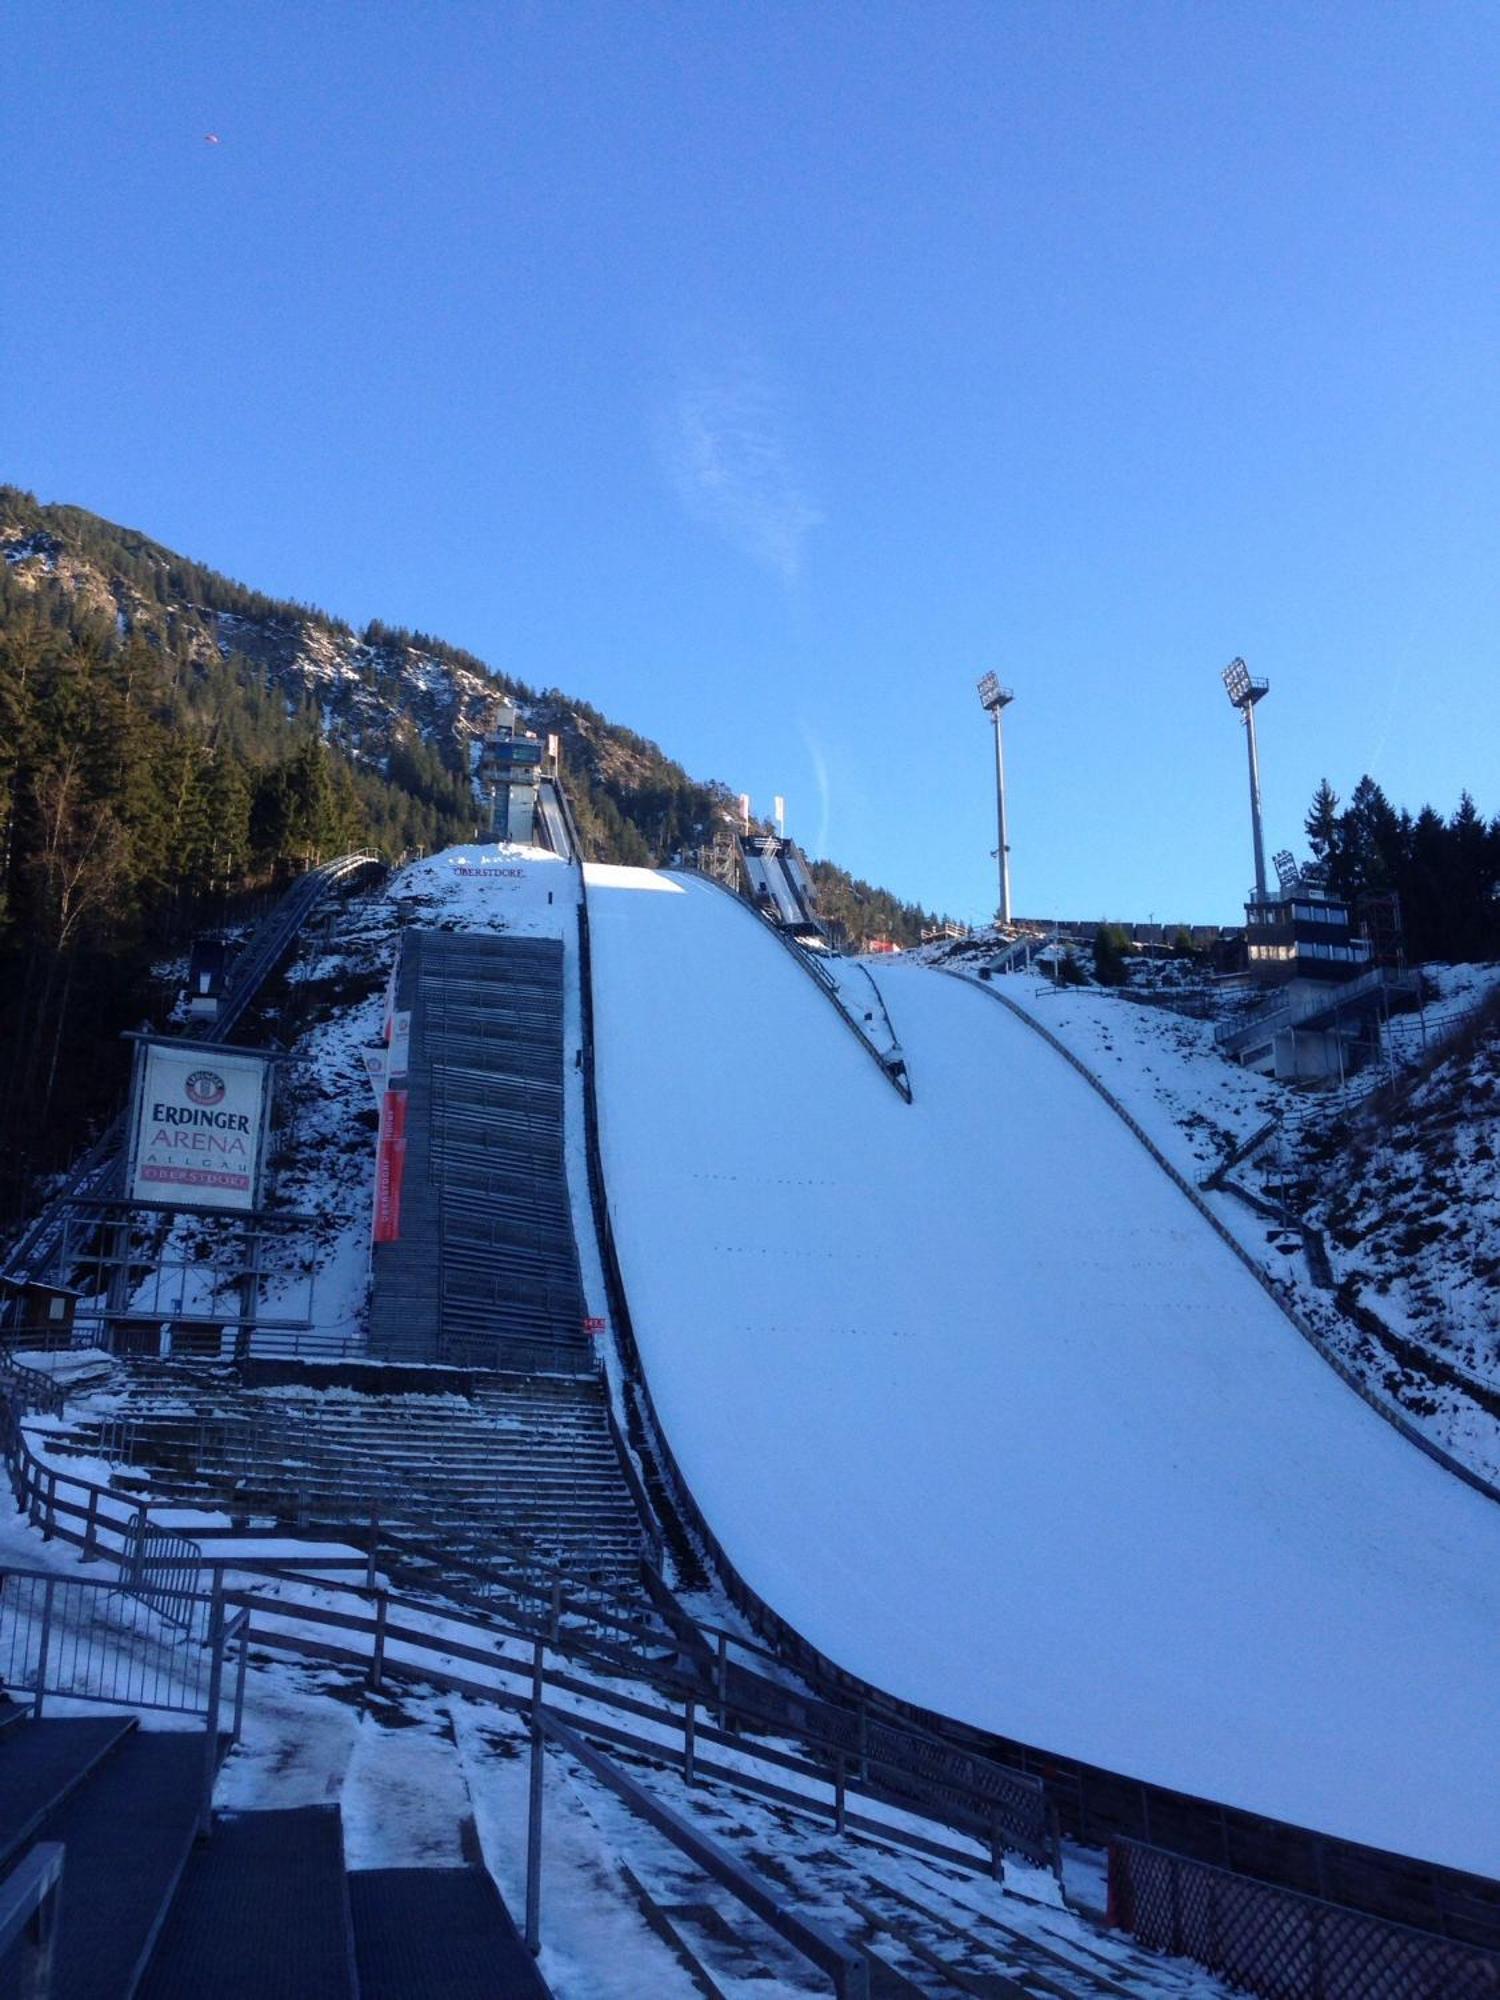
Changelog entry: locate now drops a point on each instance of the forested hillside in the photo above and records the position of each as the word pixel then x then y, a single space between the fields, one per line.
pixel 172 743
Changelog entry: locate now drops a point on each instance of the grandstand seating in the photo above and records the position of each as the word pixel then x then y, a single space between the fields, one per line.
pixel 485 1272
pixel 524 1459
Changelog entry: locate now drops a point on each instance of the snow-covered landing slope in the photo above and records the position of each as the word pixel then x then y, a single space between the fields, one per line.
pixel 975 1399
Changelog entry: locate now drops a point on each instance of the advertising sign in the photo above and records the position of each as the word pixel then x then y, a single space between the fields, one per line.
pixel 390 1167
pixel 199 1126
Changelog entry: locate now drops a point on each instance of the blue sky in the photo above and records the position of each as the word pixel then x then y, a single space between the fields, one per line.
pixel 764 374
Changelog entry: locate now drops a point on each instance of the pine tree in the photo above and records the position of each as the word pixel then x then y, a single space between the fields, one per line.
pixel 1322 823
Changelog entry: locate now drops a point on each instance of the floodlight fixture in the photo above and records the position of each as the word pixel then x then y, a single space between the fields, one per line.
pixel 994 698
pixel 1244 691
pixel 1288 874
pixel 1242 687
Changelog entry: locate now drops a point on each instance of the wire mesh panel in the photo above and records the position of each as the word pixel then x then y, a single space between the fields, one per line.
pixel 92 1641
pixel 163 1571
pixel 1281 1945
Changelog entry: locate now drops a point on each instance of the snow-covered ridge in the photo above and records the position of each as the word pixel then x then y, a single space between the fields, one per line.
pixel 362 689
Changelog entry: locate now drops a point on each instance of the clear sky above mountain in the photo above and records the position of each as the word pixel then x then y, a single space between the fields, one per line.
pixel 766 374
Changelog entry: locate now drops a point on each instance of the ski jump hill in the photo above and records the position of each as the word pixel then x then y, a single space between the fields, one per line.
pixel 975 1400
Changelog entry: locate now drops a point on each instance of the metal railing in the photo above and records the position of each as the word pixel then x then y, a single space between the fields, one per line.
pixel 844 1965
pixel 1285 1011
pixel 88 1639
pixel 29 1898
pixel 600 1624
pixel 163 1570
pixel 670 1720
pixel 1280 1944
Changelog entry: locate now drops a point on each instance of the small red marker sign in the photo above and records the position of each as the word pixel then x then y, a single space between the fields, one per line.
pixel 593 1326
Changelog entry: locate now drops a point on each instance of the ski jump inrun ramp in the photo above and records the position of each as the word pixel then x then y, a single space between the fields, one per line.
pixel 973 1398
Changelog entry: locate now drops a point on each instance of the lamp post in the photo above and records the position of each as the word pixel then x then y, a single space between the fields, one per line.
pixel 994 698
pixel 1244 691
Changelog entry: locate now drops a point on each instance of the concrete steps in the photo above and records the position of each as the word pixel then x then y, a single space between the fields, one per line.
pixel 523 1468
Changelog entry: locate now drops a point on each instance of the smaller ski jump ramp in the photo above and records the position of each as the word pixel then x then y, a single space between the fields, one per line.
pixel 975 1400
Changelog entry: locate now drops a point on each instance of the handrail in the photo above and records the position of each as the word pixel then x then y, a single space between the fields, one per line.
pixel 847 1969
pixel 1241 1151
pixel 1392 1415
pixel 892 1069
pixel 1281 1010
pixel 30 1386
pixel 29 1897
pixel 620 1644
pixel 375 1638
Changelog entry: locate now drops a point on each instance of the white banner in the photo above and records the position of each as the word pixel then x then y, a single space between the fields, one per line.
pixel 199 1119
pixel 398 1053
pixel 374 1062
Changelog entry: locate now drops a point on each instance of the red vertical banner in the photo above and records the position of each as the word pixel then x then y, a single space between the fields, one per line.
pixel 390 1166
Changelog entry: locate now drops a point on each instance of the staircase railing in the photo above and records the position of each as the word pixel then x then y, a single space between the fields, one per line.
pixel 29 1898
pixel 598 1630
pixel 385 1634
pixel 845 1967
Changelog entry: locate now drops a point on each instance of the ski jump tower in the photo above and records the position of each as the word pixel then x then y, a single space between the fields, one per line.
pixel 507 777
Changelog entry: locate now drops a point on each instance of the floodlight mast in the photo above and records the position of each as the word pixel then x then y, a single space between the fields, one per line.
pixel 1244 691
pixel 993 698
